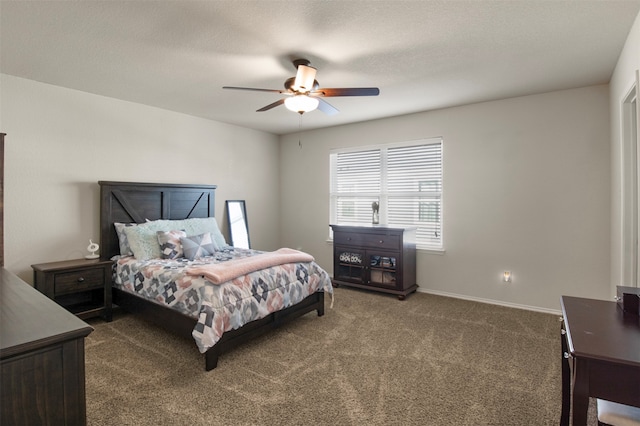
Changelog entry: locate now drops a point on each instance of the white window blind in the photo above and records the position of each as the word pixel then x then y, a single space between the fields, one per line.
pixel 405 179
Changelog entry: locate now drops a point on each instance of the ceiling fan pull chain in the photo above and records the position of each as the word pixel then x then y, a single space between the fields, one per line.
pixel 299 129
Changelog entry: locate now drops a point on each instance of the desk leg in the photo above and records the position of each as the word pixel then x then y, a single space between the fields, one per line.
pixel 566 379
pixel 580 391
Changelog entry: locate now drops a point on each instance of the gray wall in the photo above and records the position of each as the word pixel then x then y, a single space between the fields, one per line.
pixel 60 142
pixel 622 81
pixel 526 189
pixel 527 183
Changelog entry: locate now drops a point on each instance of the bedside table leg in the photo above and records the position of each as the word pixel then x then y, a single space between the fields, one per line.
pixel 108 300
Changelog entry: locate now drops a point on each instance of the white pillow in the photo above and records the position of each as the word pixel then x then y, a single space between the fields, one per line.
pixel 143 239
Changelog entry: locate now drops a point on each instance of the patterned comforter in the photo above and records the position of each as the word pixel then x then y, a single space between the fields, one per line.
pixel 219 307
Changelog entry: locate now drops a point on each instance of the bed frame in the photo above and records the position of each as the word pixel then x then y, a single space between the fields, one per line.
pixel 129 202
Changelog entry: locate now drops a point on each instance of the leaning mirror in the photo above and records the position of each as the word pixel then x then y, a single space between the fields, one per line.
pixel 238 225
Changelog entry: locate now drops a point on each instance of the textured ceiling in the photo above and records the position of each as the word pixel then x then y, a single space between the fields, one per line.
pixel 422 55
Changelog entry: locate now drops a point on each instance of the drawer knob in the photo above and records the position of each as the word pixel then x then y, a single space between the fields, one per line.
pixel 81 279
pixel 381 241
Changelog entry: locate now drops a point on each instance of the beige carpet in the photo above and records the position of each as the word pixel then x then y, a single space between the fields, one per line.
pixel 371 360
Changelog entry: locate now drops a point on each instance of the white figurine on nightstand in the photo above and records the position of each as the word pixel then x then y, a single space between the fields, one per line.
pixel 93 248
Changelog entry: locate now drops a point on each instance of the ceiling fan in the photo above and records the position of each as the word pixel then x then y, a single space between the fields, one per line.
pixel 303 93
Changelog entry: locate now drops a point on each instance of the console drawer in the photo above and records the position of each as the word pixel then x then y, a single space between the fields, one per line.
pixel 367 240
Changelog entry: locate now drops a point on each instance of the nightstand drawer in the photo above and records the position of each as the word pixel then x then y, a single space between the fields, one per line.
pixel 72 282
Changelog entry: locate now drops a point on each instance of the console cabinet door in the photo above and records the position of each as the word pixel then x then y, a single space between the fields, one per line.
pixel 383 269
pixel 350 265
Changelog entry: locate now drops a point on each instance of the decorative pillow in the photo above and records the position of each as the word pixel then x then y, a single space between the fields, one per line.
pixel 125 250
pixel 143 239
pixel 195 226
pixel 198 246
pixel 170 245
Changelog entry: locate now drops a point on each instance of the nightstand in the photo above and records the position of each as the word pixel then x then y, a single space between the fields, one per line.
pixel 81 286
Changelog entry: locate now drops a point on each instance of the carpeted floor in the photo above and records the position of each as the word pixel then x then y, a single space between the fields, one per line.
pixel 371 360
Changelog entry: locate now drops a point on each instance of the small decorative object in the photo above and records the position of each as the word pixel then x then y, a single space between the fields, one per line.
pixel 375 206
pixel 93 248
pixel 353 258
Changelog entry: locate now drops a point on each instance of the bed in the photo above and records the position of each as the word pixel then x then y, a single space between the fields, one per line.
pixel 301 285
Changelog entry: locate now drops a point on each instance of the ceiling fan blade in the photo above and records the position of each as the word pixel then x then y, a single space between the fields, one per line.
pixel 273 105
pixel 326 107
pixel 255 90
pixel 348 91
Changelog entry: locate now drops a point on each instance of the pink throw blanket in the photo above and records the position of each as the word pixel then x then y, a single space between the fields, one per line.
pixel 219 273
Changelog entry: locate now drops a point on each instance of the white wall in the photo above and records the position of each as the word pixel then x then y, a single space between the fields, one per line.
pixel 622 81
pixel 60 142
pixel 526 189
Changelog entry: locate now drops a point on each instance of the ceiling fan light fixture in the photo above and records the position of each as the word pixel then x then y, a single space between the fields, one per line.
pixel 305 77
pixel 302 93
pixel 301 103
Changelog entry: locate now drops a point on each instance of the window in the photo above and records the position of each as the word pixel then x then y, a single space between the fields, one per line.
pixel 631 187
pixel 405 179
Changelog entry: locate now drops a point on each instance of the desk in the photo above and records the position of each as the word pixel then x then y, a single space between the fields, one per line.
pixel 604 343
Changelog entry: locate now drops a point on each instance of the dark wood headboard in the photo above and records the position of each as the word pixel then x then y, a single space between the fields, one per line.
pixel 135 202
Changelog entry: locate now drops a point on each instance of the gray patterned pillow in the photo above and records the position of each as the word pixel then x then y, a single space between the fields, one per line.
pixel 170 245
pixel 198 246
pixel 123 241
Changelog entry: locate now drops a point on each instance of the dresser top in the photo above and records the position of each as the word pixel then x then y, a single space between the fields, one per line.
pixel 30 320
pixel 371 227
pixel 70 264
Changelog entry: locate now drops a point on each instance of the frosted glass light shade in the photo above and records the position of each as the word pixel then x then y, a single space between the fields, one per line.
pixel 301 103
pixel 304 78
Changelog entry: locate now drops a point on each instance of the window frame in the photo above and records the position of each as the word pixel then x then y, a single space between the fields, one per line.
pixel 384 193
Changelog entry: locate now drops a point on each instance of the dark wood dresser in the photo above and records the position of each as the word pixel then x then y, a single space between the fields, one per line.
pixel 375 257
pixel 41 358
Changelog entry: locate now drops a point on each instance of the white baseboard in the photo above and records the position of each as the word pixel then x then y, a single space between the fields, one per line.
pixel 490 301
